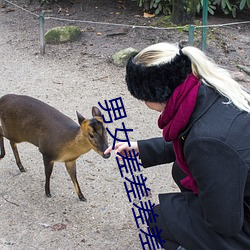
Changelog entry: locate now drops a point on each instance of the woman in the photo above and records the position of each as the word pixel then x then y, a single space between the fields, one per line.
pixel 205 118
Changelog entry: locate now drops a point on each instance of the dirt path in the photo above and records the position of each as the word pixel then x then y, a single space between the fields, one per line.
pixel 70 80
pixel 74 77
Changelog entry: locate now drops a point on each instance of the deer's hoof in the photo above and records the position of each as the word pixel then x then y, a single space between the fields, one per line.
pixel 48 195
pixel 82 198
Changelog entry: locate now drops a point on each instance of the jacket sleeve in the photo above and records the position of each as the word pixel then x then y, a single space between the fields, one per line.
pixel 220 173
pixel 155 151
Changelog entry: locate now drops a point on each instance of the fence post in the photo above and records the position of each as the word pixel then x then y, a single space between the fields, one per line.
pixel 191 35
pixel 42 31
pixel 204 24
pixel 2 3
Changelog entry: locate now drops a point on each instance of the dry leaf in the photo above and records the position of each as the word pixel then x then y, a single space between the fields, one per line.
pixel 58 227
pixel 147 15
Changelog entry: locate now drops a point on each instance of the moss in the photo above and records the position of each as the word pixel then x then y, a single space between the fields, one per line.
pixel 121 58
pixel 63 34
pixel 163 22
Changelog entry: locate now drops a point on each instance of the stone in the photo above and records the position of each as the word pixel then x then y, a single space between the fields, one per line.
pixel 121 58
pixel 2 3
pixel 63 34
pixel 239 76
pixel 244 68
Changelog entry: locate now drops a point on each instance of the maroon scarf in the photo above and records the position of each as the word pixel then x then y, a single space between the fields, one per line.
pixel 174 119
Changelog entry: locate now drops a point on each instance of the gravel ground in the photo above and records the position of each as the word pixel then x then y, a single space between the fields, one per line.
pixel 76 76
pixel 68 79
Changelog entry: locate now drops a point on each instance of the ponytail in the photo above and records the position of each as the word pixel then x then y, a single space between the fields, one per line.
pixel 218 78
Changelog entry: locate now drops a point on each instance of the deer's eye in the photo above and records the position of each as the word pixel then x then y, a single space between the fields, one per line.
pixel 91 136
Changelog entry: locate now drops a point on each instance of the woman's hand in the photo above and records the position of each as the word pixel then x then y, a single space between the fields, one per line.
pixel 121 147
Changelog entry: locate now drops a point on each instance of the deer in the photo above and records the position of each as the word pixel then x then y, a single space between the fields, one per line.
pixel 58 138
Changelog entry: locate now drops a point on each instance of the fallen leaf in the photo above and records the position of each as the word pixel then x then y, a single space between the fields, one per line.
pixel 147 15
pixel 58 227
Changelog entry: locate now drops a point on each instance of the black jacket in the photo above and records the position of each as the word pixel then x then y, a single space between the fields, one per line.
pixel 216 145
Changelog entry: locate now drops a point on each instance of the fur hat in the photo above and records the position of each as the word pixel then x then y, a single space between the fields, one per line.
pixel 156 83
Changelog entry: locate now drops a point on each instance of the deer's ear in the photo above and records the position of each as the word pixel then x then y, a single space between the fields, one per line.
pixel 80 118
pixel 96 111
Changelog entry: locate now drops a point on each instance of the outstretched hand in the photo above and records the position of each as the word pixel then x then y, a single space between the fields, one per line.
pixel 121 147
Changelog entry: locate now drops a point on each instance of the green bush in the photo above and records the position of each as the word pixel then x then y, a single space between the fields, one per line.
pixel 156 6
pixel 211 7
pixel 227 6
pixel 232 6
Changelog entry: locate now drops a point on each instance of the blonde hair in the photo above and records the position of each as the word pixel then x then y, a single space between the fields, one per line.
pixel 202 67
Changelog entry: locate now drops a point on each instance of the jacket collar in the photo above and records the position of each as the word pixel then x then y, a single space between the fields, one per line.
pixel 205 99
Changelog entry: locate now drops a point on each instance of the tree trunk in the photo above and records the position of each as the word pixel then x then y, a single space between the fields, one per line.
pixel 183 11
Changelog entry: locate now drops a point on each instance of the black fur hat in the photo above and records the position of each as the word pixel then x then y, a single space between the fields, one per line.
pixel 156 83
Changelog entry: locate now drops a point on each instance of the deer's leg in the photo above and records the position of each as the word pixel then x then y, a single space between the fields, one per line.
pixel 71 168
pixel 18 161
pixel 48 165
pixel 1 144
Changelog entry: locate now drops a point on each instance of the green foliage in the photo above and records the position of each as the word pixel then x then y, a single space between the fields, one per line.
pixel 165 6
pixel 226 6
pixel 157 6
pixel 211 7
pixel 244 4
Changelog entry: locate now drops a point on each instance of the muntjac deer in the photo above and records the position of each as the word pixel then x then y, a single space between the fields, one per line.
pixel 59 138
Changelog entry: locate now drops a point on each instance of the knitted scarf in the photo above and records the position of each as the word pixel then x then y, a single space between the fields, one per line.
pixel 174 119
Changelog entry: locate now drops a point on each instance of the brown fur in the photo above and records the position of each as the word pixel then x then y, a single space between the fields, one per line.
pixel 59 138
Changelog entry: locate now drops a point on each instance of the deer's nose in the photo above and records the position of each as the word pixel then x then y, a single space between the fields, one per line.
pixel 106 156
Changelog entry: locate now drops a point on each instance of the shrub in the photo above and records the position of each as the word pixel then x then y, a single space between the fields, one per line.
pixel 157 6
pixel 227 6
